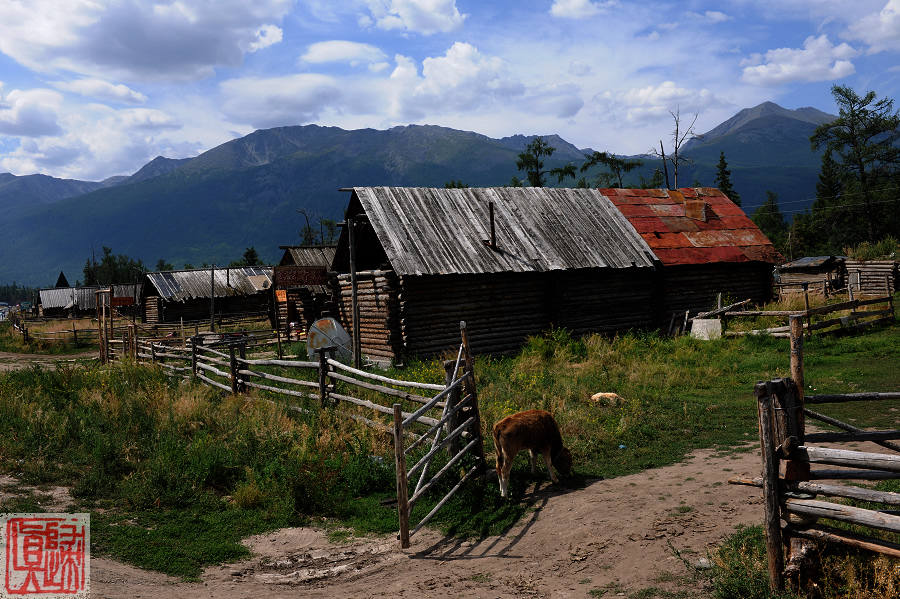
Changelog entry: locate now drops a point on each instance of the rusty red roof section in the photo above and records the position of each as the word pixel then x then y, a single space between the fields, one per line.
pixel 715 229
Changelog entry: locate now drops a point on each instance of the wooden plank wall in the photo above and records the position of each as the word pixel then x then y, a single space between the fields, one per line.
pixel 152 310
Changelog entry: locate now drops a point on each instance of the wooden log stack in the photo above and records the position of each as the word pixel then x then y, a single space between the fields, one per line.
pixel 379 318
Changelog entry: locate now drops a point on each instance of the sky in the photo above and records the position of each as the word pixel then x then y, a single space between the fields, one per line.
pixel 95 88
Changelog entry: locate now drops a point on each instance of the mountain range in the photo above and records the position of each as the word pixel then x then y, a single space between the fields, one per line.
pixel 246 192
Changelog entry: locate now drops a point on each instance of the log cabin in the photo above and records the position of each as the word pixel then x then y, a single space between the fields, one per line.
pixel 170 296
pixel 511 262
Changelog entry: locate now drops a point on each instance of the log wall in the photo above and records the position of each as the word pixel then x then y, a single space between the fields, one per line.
pixel 379 317
pixel 872 277
pixel 303 306
pixel 420 315
pixel 696 287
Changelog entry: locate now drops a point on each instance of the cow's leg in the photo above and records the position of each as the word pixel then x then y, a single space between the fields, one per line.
pixel 504 475
pixel 533 455
pixel 550 465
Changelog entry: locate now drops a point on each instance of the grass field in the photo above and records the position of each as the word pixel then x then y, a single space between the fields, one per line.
pixel 175 474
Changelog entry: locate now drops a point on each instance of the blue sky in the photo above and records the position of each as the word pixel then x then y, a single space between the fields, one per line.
pixel 95 88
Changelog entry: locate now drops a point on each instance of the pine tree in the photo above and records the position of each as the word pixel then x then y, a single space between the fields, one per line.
pixel 770 220
pixel 723 180
pixel 864 137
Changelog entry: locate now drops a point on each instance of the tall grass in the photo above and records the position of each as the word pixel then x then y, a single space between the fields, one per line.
pixel 177 473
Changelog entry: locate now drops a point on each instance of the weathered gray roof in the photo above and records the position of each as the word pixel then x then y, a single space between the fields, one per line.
pixel 83 297
pixel 811 262
pixel 298 255
pixel 64 297
pixel 181 285
pixel 440 231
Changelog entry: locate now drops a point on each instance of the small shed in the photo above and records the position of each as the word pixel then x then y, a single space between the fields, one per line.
pixel 819 274
pixel 705 245
pixel 511 262
pixel 170 296
pixel 301 284
pixel 872 277
pixel 82 301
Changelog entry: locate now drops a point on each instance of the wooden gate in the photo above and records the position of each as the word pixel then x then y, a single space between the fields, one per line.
pixel 459 422
pixel 792 506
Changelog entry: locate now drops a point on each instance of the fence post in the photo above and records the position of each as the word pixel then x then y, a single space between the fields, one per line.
pixel 242 353
pixel 793 400
pixel 452 399
pixel 152 352
pixel 233 368
pixel 402 490
pixel 774 549
pixel 194 355
pixel 74 333
pixel 323 374
pixel 470 388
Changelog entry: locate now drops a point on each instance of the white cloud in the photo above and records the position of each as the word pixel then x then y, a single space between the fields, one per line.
pixel 29 113
pixel 135 40
pixel 267 35
pixel 101 90
pixel 94 142
pixel 289 100
pixel 579 68
pixel 710 16
pixel 881 31
pixel 462 81
pixel 420 16
pixel 818 60
pixel 652 102
pixel 343 51
pixel 579 9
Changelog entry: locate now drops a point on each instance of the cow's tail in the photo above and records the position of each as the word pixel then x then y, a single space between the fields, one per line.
pixel 498 448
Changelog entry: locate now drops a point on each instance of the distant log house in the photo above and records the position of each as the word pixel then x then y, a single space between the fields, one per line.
pixel 185 294
pixel 705 245
pixel 301 284
pixel 511 262
pixel 82 301
pixel 818 274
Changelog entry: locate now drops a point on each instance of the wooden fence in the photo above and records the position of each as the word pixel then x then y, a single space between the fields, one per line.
pixel 426 418
pixel 854 321
pixel 792 507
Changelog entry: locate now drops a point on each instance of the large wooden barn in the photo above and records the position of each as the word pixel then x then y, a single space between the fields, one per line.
pixel 705 245
pixel 186 294
pixel 511 262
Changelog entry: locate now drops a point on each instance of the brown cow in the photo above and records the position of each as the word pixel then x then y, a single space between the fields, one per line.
pixel 536 431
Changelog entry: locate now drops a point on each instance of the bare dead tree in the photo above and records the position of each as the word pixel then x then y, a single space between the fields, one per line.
pixel 679 137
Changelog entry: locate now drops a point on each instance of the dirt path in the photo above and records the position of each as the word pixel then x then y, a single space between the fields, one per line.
pixel 13 361
pixel 616 535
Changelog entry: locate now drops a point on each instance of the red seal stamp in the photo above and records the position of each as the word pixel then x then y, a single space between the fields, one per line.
pixel 45 555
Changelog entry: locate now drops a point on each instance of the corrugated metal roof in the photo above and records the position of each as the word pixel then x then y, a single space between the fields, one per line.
pixel 65 297
pixel 726 235
pixel 84 297
pixel 441 231
pixel 181 285
pixel 300 255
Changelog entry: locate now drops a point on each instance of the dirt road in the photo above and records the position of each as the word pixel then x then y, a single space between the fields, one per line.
pixel 613 535
pixel 13 361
